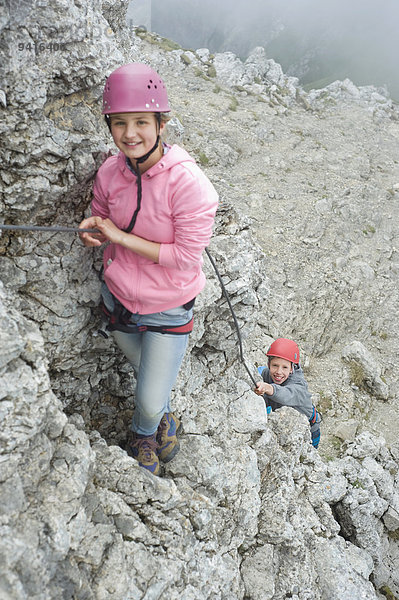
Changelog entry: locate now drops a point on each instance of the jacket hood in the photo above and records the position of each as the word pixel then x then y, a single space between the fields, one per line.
pixel 296 375
pixel 174 156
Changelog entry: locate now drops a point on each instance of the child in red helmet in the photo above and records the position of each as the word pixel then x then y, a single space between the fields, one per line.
pixel 154 209
pixel 284 384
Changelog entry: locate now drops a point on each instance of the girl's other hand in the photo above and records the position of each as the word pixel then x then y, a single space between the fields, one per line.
pixel 111 231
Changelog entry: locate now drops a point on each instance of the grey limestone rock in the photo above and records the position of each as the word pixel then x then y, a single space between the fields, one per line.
pixel 247 509
pixel 367 368
pixel 257 75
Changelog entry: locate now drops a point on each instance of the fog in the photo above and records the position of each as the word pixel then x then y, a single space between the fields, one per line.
pixel 318 41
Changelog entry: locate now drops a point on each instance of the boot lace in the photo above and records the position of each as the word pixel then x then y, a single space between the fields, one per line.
pixel 146 446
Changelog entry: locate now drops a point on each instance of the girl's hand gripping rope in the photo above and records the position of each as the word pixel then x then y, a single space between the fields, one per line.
pixel 92 239
pixel 108 231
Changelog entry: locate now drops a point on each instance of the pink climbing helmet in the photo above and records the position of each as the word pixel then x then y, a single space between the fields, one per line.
pixel 134 87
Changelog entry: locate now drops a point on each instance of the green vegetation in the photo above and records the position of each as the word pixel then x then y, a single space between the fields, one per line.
pixel 233 104
pixel 387 593
pixel 211 70
pixel 336 443
pixel 333 449
pixel 381 334
pixel 200 73
pixel 239 88
pixel 185 59
pixel 157 40
pixel 369 229
pixel 357 374
pixel 358 484
pixel 168 45
pixel 394 535
pixel 203 159
pixel 324 403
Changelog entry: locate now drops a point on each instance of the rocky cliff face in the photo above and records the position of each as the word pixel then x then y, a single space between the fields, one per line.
pixel 305 240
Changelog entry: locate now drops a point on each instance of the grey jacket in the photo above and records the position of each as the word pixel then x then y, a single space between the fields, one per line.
pixel 292 392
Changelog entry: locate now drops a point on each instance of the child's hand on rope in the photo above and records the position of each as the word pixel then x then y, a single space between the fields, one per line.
pixel 92 239
pixel 264 388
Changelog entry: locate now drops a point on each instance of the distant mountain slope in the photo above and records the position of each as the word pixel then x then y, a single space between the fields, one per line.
pixel 316 44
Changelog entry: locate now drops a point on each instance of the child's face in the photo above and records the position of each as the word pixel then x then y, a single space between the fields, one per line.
pixel 135 133
pixel 279 369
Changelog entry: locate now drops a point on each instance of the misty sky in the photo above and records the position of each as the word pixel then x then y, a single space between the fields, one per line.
pixel 351 38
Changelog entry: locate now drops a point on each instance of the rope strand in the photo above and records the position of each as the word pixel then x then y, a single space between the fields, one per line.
pixel 54 228
pixel 226 295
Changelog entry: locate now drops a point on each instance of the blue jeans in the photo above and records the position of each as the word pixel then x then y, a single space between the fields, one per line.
pixel 156 359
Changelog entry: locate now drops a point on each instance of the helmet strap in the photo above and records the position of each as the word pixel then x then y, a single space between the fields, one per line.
pixel 143 158
pixel 140 160
pixel 108 122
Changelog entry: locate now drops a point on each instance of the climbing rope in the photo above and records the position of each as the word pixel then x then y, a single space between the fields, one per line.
pixel 56 228
pixel 226 295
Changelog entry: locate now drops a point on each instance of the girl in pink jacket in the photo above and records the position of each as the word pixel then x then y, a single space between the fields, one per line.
pixel 156 208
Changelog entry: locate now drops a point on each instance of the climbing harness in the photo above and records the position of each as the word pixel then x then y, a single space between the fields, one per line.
pixel 314 423
pixel 119 320
pixel 313 418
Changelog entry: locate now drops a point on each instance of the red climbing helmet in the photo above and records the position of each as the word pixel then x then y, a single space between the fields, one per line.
pixel 283 348
pixel 134 88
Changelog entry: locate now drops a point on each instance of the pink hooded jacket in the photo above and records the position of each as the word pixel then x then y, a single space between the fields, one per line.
pixel 177 210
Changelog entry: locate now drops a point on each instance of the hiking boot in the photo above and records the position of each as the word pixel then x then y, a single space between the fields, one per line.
pixel 144 450
pixel 168 445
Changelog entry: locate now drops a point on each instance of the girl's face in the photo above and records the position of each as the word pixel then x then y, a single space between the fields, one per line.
pixel 280 369
pixel 135 134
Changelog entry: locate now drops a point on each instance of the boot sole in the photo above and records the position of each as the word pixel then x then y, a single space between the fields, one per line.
pixel 171 454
